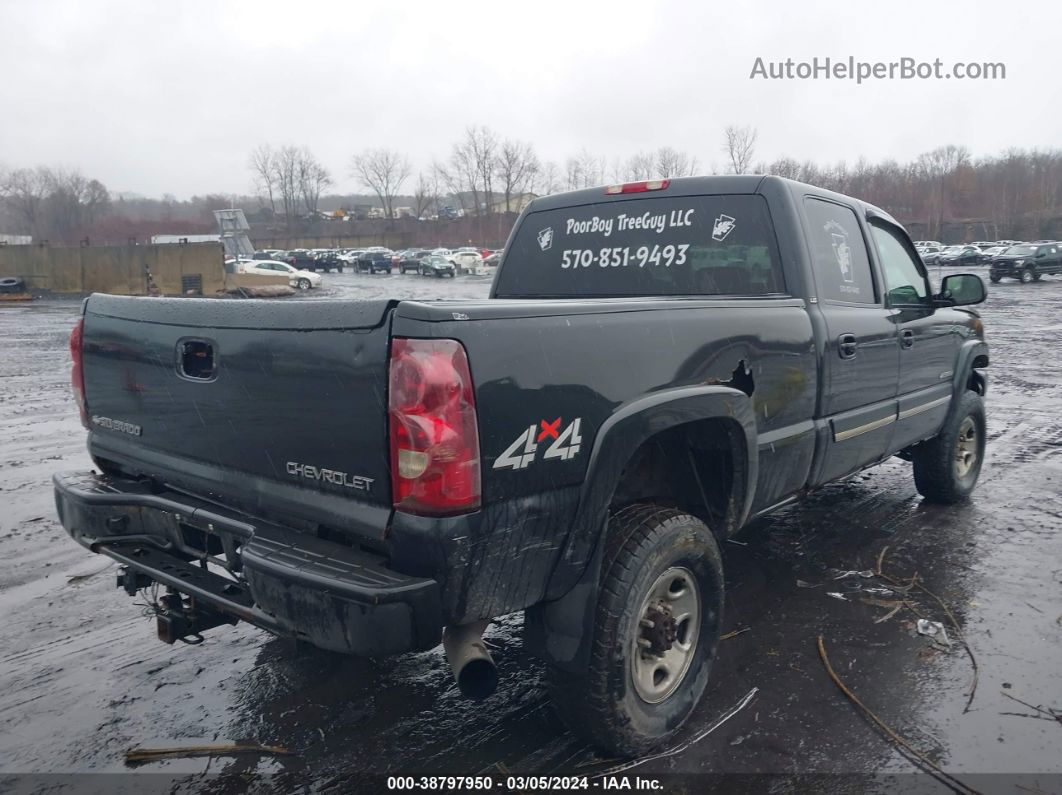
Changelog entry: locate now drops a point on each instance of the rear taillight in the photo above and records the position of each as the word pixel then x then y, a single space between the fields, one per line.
pixel 638 187
pixel 434 441
pixel 77 372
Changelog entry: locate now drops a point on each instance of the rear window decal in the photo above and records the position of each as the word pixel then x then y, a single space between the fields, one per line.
pixel 724 225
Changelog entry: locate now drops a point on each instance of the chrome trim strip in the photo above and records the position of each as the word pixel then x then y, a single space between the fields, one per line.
pixel 924 407
pixel 861 429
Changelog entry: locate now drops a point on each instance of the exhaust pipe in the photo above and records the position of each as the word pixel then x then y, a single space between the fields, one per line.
pixel 471 662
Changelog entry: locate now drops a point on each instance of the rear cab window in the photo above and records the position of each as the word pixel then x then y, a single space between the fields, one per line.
pixel 839 253
pixel 683 245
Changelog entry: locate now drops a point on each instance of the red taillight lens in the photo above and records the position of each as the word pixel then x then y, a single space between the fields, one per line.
pixel 638 187
pixel 434 440
pixel 77 373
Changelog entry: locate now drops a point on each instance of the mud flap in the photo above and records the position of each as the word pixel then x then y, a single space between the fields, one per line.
pixel 562 631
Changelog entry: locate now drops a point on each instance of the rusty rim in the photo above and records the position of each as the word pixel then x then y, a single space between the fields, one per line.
pixel 665 638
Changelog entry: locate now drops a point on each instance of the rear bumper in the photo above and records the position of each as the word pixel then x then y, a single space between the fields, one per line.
pixel 328 594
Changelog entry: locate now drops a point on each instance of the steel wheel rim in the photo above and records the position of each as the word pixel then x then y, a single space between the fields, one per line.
pixel 966 448
pixel 658 667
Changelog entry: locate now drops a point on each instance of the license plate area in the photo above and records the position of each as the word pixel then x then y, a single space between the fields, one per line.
pixel 214 546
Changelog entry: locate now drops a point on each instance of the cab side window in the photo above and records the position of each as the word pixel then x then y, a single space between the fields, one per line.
pixel 842 267
pixel 905 279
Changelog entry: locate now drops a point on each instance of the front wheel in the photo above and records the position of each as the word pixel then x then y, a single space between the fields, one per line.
pixel 1027 276
pixel 994 278
pixel 946 467
pixel 656 629
pixel 303 284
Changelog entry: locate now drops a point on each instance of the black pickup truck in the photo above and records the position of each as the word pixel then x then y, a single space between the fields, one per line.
pixel 658 363
pixel 1027 262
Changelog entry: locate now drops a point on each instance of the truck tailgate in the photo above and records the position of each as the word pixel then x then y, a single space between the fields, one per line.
pixel 279 408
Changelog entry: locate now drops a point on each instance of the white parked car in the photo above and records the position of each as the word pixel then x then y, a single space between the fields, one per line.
pixel 467 259
pixel 303 280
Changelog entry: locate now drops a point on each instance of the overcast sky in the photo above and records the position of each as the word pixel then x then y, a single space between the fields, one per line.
pixel 153 98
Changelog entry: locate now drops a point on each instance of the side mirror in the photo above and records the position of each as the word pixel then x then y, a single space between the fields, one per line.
pixel 960 289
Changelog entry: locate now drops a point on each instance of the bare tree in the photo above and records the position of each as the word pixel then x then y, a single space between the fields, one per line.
pixel 936 166
pixel 460 174
pixel 24 191
pixel 482 144
pixel 263 169
pixel 783 167
pixel 286 180
pixel 313 179
pixel 640 166
pixel 740 146
pixel 515 166
pixel 673 163
pixel 547 179
pixel 382 171
pixel 423 194
pixel 585 170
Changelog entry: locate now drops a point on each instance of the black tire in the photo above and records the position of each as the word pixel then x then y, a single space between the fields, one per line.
pixel 1037 277
pixel 303 284
pixel 1027 276
pixel 339 269
pixel 994 278
pixel 645 544
pixel 944 471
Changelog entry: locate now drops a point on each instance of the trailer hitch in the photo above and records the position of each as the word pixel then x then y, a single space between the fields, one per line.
pixel 179 618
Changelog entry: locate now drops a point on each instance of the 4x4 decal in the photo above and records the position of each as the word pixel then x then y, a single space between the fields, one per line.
pixel 521 453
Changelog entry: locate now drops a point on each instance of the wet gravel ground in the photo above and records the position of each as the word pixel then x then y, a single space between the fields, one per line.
pixel 82 678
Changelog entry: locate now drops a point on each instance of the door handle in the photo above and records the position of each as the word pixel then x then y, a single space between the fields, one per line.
pixel 907 338
pixel 846 346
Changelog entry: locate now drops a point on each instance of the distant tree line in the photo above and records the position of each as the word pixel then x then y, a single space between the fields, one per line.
pixel 1014 195
pixel 52 203
pixel 944 192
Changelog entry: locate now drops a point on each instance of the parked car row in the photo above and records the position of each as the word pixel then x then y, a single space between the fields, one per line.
pixel 379 259
pixel 1027 262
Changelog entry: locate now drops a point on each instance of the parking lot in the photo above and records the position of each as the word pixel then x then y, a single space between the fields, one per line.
pixel 82 678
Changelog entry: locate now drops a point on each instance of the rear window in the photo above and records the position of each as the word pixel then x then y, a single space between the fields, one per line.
pixel 688 245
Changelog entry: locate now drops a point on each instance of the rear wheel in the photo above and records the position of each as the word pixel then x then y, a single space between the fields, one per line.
pixel 656 629
pixel 1027 276
pixel 994 278
pixel 946 467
